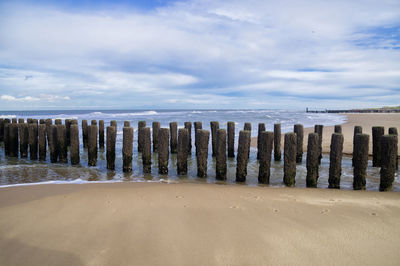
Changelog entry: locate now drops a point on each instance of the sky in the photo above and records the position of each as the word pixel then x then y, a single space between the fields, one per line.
pixel 200 54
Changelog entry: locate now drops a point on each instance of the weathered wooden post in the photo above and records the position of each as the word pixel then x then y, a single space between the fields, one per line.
pixel 338 129
pixel 13 140
pixel 183 149
pixel 42 141
pixel 221 167
pixel 14 120
pixel 21 121
pixel 377 133
pixel 289 163
pixel 33 140
pixel 113 123
pixel 111 137
pixel 247 126
pixel 335 160
pixel 52 136
pixel 92 145
pixel 393 131
pixel 173 131
pixel 357 130
pixel 127 148
pixel 214 125
pixel 127 124
pixel 163 151
pixel 188 126
pixel 48 123
pixel 299 130
pixel 266 144
pixel 156 130
pixel 277 142
pixel 1 129
pixel 67 123
pixel 146 153
pixel 29 120
pixel 62 145
pixel 6 138
pixel 388 161
pixel 242 155
pixel 58 122
pixel 101 134
pixel 231 139
pixel 74 144
pixel 197 126
pixel 141 124
pixel 361 143
pixel 85 133
pixel 35 121
pixel 202 152
pixel 261 128
pixel 23 140
pixel 319 130
pixel 42 121
pixel 312 160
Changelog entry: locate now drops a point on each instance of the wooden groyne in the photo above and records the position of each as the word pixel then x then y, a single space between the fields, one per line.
pixel 61 143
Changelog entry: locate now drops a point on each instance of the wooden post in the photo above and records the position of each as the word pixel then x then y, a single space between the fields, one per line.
pixel 335 160
pixel 146 153
pixel 173 131
pixel 67 131
pixel 261 128
pixel 62 144
pixel 377 133
pixel 33 140
pixel 42 141
pixel 13 140
pixel 290 153
pixel 23 140
pixel 85 133
pixel 231 139
pixel 393 131
pixel 242 156
pixel 277 142
pixel 141 124
pixel 1 129
pixel 92 145
pixel 266 144
pixel 299 130
pixel 361 143
pixel 21 121
pixel 221 167
pixel 6 138
pixel 163 151
pixel 58 122
pixel 111 137
pixel 29 120
pixel 156 130
pixel 42 121
pixel 113 123
pixel 388 161
pixel 94 123
pixel 202 152
pixel 214 125
pixel 52 136
pixel 319 130
pixel 247 126
pixel 197 126
pixel 312 160
pixel 101 134
pixel 14 120
pixel 127 148
pixel 338 129
pixel 74 144
pixel 357 130
pixel 188 126
pixel 183 148
pixel 48 123
pixel 127 124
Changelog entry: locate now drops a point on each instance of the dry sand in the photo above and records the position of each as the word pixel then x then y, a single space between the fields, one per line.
pixel 367 121
pixel 196 224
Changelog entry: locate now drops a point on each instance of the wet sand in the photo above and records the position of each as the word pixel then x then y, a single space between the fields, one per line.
pixel 196 224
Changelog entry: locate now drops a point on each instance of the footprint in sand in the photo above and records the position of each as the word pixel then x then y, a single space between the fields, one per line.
pixel 234 207
pixel 373 213
pixel 324 211
pixel 179 197
pixel 275 211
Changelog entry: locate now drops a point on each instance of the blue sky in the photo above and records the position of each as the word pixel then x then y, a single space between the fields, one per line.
pixel 199 54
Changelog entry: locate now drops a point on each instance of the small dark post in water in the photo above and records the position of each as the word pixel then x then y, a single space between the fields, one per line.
pixel 242 155
pixel 141 124
pixel 361 143
pixel 214 125
pixel 33 140
pixel 146 153
pixel 127 124
pixel 1 129
pixel 58 122
pixel 21 121
pixel 173 131
pixel 202 152
pixel 156 130
pixel 113 123
pixel 14 120
pixel 188 126
pixel 338 129
pixel 49 122
pixel 13 140
pixel 7 138
pixel 127 148
pixel 388 161
pixel 68 130
pixel 357 130
pixel 377 133
pixel 312 160
pixel 289 166
pixel 111 137
pixel 299 130
pixel 335 160
pixel 221 167
pixel 62 144
pixel 52 136
pixel 247 126
pixel 261 128
pixel 101 134
pixel 74 144
pixel 231 139
pixel 42 141
pixel 23 140
pixel 277 142
pixel 92 145
pixel 85 133
pixel 163 151
pixel 266 144
pixel 393 131
pixel 319 130
pixel 197 126
pixel 94 123
pixel 183 139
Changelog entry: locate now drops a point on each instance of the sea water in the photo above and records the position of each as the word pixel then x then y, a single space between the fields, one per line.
pixel 23 171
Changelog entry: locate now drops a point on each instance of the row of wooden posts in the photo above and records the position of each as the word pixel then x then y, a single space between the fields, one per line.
pixel 58 137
